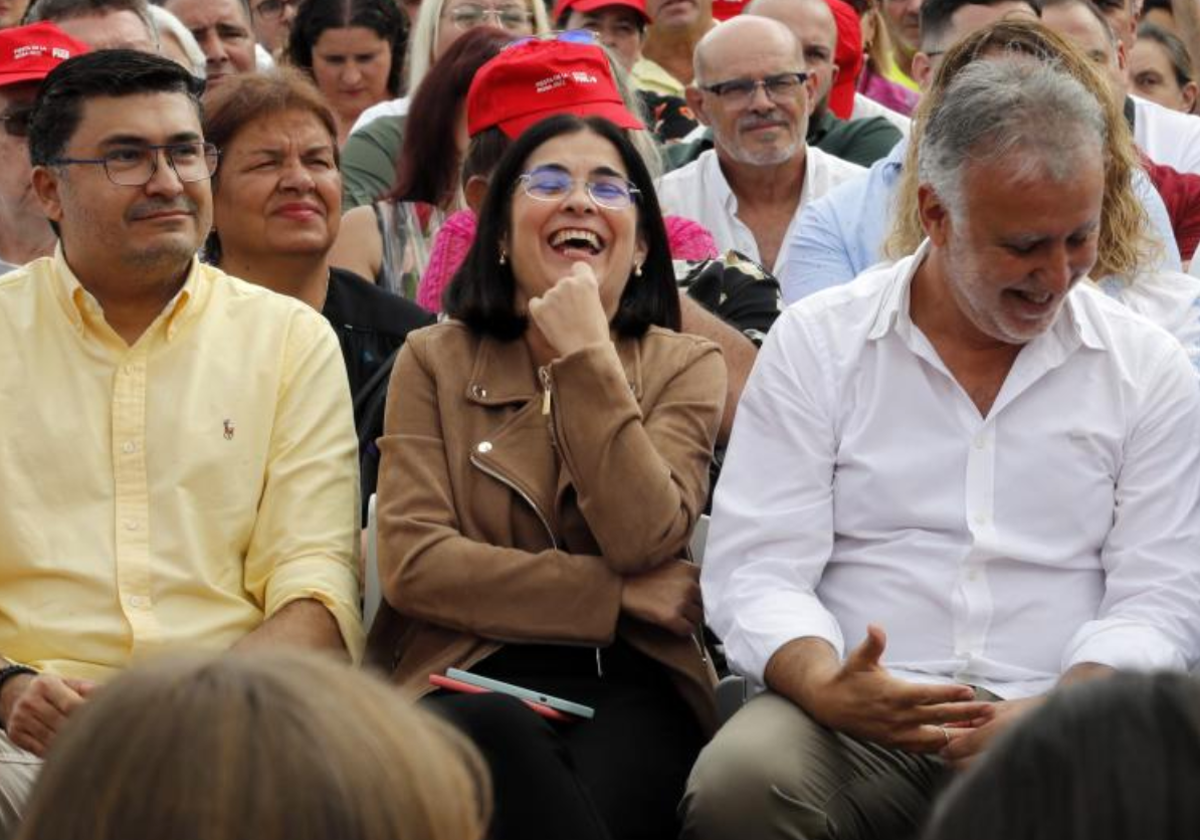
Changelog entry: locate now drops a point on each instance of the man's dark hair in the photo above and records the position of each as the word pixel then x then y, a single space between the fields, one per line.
pixel 936 15
pixel 59 105
pixel 55 10
pixel 483 292
pixel 383 17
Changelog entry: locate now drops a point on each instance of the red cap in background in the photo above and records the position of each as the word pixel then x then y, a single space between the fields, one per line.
pixel 536 79
pixel 564 6
pixel 848 57
pixel 29 53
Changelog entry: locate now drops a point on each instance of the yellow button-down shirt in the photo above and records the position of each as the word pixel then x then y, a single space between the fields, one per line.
pixel 172 494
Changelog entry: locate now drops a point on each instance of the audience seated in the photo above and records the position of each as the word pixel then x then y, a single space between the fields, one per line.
pixel 1161 69
pixel 540 481
pixel 185 474
pixel 223 30
pixel 27 54
pixel 276 213
pixel 389 239
pixel 845 232
pixel 1108 760
pixel 277 746
pixel 754 185
pixel 101 24
pixel 354 51
pixel 925 463
pixel 370 155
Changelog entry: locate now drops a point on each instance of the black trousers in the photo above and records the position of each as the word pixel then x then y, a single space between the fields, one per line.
pixel 618 776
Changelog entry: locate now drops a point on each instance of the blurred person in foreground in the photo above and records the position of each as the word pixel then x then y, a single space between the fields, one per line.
pixel 187 473
pixel 274 746
pixel 1109 760
pixel 929 518
pixel 541 477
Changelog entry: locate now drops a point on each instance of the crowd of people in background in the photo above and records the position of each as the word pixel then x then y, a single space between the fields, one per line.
pixel 614 419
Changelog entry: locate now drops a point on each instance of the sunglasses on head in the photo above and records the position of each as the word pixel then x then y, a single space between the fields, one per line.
pixel 571 36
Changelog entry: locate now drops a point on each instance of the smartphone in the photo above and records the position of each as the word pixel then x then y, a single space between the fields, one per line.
pixel 451 684
pixel 577 709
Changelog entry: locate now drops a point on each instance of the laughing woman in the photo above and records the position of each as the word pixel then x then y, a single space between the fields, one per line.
pixel 539 485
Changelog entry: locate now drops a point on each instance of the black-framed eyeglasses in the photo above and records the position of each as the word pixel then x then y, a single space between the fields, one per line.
pixel 469 16
pixel 16 120
pixel 780 87
pixel 549 183
pixel 134 166
pixel 274 8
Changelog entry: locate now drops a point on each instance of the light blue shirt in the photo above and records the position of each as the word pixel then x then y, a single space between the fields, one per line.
pixel 841 234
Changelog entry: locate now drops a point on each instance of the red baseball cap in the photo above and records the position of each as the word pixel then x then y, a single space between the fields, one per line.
pixel 29 53
pixel 535 79
pixel 848 56
pixel 564 6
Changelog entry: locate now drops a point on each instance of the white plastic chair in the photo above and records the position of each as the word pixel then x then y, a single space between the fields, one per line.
pixel 372 593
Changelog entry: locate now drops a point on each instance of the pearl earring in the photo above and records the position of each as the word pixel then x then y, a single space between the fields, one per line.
pixel 503 258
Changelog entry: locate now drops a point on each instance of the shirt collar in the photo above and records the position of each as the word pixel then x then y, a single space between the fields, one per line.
pixel 1074 325
pixel 84 311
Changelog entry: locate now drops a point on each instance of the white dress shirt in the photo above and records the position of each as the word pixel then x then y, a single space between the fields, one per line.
pixel 1170 138
pixel 861 485
pixel 700 192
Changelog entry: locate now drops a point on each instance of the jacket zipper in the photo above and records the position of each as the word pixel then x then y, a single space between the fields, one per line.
pixel 541 516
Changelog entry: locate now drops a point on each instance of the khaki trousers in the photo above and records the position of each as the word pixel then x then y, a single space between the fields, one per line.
pixel 772 772
pixel 18 771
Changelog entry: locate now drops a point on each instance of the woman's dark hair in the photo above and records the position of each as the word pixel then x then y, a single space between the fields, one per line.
pixel 483 292
pixel 1110 759
pixel 383 17
pixel 484 153
pixel 427 169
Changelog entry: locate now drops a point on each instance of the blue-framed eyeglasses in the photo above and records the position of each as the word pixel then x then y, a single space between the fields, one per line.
pixel 570 36
pixel 549 183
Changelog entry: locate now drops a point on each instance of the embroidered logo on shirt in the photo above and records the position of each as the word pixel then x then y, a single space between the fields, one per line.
pixel 229 429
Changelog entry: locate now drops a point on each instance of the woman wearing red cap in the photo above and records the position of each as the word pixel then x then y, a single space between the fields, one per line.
pixel 541 477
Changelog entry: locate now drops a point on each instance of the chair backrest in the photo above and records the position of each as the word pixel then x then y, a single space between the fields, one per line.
pixel 372 593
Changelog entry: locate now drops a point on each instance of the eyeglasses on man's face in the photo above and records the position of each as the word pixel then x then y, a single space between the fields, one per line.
pixel 781 87
pixel 468 16
pixel 273 9
pixel 549 183
pixel 134 166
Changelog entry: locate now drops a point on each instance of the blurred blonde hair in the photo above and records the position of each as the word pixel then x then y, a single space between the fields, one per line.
pixel 429 25
pixel 274 746
pixel 1124 243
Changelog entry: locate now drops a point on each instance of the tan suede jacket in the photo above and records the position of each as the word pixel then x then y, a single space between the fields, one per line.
pixel 486 536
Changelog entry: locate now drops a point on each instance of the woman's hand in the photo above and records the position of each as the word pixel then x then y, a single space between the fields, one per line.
pixel 667 595
pixel 570 315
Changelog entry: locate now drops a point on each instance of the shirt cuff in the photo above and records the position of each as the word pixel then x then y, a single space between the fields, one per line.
pixel 750 645
pixel 1123 645
pixel 329 582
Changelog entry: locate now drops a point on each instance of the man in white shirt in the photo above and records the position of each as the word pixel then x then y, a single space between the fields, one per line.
pixel 970 450
pixel 750 189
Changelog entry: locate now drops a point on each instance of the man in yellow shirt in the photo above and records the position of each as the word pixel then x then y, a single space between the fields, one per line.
pixel 178 463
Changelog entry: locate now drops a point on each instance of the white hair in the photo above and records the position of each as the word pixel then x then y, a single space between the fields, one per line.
pixel 167 24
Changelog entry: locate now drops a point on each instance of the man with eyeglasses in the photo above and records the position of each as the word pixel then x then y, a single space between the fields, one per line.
pixel 183 464
pixel 27 54
pixel 752 186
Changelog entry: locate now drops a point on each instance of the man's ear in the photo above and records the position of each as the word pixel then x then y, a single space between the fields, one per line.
pixel 475 191
pixel 922 70
pixel 695 101
pixel 47 188
pixel 1122 56
pixel 935 215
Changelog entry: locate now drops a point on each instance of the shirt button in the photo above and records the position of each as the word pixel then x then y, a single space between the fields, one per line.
pixel 484 448
pixel 980 519
pixel 131 525
pixel 973 574
pixel 129 447
pixel 981 443
pixel 139 602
